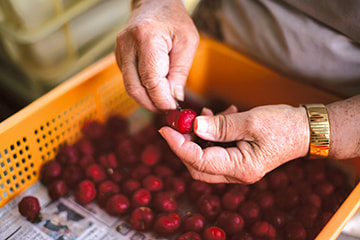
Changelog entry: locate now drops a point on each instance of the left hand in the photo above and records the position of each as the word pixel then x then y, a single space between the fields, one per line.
pixel 266 137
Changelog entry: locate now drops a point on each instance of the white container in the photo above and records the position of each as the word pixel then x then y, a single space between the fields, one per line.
pixel 52 40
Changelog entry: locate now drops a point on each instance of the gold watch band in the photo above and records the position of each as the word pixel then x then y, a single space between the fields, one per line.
pixel 319 130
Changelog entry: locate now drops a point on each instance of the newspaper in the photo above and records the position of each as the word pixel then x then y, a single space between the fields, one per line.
pixel 64 219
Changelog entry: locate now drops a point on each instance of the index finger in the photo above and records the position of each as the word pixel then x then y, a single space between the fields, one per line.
pixel 153 69
pixel 127 61
pixel 212 160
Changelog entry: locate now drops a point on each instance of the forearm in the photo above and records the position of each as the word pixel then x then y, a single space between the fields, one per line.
pixel 344 117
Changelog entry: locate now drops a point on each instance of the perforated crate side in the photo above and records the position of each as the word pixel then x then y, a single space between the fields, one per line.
pixel 32 136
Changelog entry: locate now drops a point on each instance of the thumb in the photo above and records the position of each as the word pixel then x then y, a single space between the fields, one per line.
pixel 219 128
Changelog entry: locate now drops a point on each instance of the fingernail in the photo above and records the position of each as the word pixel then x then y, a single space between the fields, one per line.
pixel 179 92
pixel 233 107
pixel 200 124
pixel 205 110
pixel 161 131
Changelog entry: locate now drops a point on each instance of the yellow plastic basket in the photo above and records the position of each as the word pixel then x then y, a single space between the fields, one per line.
pixel 32 136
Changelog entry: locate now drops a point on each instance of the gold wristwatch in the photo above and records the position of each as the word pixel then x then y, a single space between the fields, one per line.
pixel 319 130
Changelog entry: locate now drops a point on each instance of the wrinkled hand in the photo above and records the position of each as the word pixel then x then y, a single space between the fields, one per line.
pixel 266 137
pixel 154 52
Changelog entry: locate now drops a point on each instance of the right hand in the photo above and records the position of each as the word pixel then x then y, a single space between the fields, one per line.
pixel 154 52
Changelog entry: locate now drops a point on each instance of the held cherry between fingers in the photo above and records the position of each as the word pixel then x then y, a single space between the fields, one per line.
pixel 181 121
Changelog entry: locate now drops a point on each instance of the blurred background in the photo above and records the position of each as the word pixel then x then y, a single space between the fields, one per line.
pixel 45 42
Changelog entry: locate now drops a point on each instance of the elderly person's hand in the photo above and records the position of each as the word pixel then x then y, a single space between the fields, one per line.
pixel 265 137
pixel 154 52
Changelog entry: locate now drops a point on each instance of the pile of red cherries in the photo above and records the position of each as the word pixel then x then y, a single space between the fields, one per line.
pixel 138 178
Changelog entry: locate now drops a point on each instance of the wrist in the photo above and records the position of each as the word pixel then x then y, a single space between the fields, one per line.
pixel 344 117
pixel 304 132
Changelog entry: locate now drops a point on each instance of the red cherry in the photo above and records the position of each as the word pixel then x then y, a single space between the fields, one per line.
pixel 127 153
pixel 175 184
pixel 171 117
pixel 243 236
pixel 146 135
pixel 230 222
pixel 265 199
pixel 324 188
pixel 141 219
pixel 307 214
pixel 277 179
pixel 262 184
pixel 162 171
pixel 130 186
pixel 287 198
pixel 85 146
pixel 303 188
pixel 118 175
pixel 165 202
pixel 67 154
pixel 93 129
pixel 166 224
pixel 185 120
pixel 181 120
pixel 336 177
pixel 151 155
pixel 231 199
pixel 243 188
pixel 116 123
pixel 140 197
pixel 276 217
pixel 174 162
pixel 263 229
pixel 95 172
pixel 315 171
pixel 105 190
pixel 185 174
pixel 86 160
pixel 250 211
pixel 214 233
pixel 193 222
pixel 50 171
pixel 294 230
pixel 152 183
pixel 219 188
pixel 209 206
pixel 108 160
pixel 29 207
pixel 118 204
pixel 85 192
pixel 312 199
pixel 294 171
pixel 198 188
pixel 140 171
pixel 57 189
pixel 189 236
pixel 72 175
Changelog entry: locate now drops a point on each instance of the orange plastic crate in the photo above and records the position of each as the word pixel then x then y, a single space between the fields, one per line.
pixel 32 136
